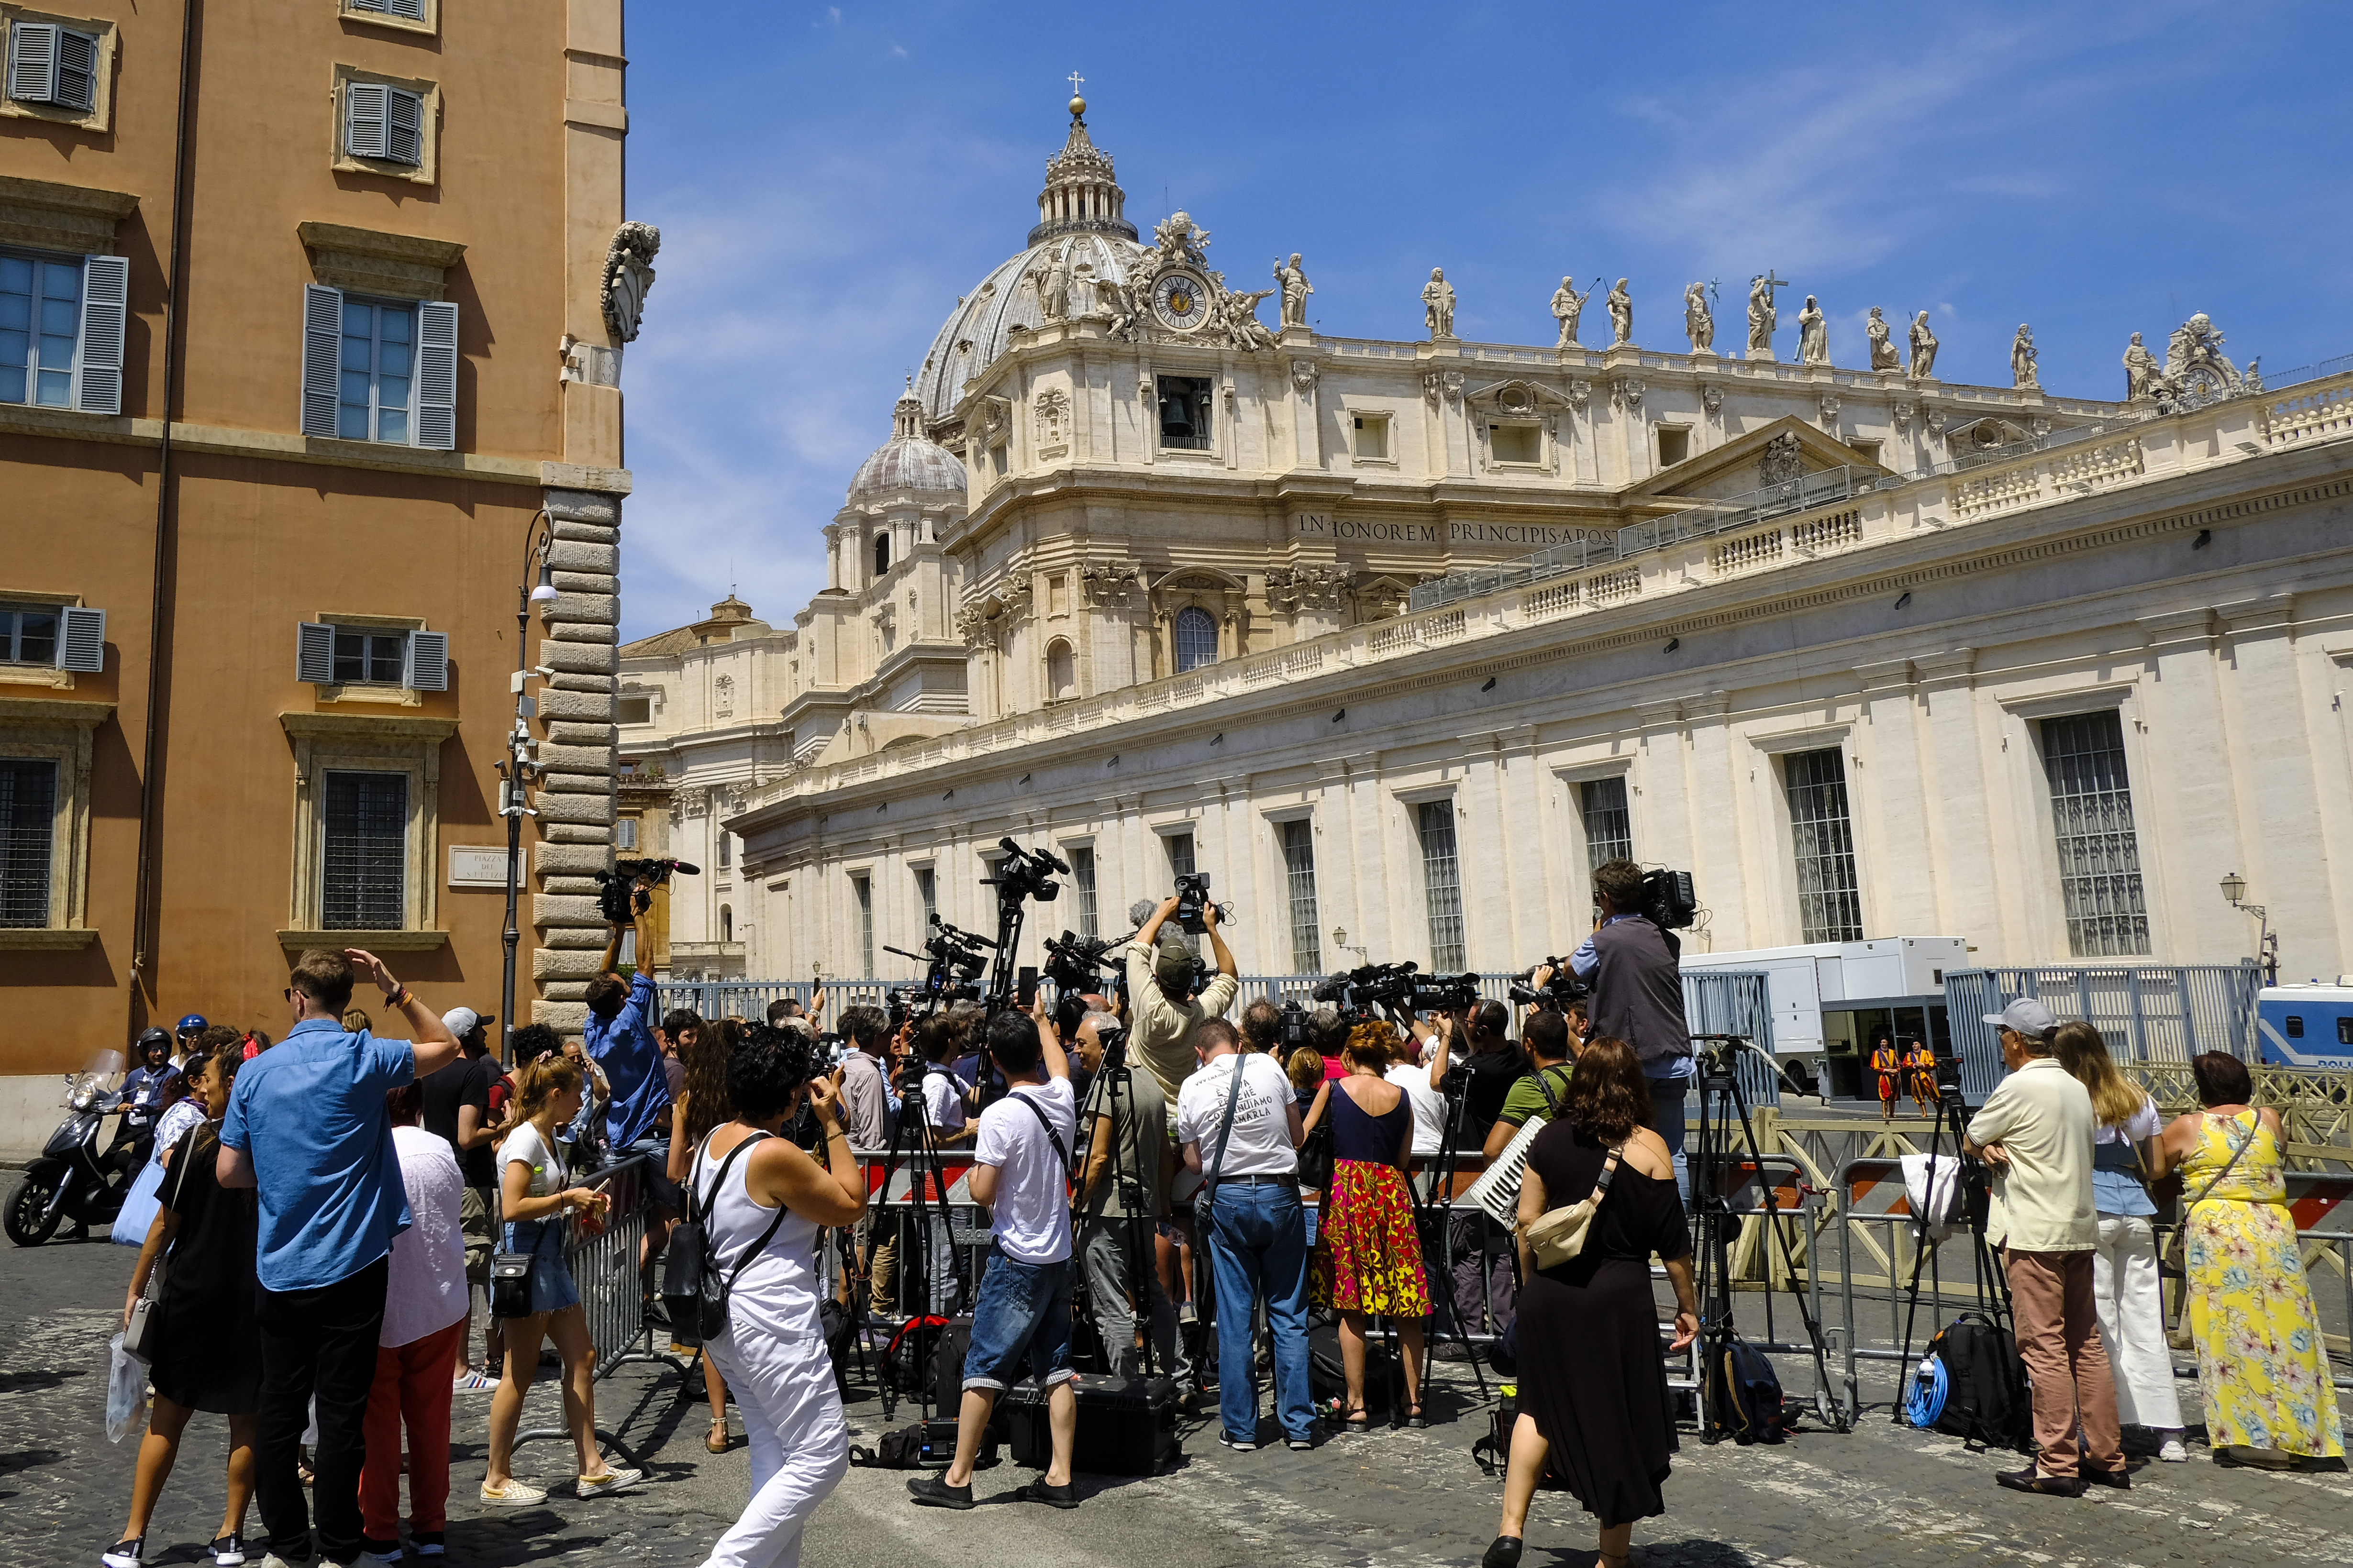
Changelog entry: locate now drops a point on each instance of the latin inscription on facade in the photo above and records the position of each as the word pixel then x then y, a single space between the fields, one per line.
pixel 1525 536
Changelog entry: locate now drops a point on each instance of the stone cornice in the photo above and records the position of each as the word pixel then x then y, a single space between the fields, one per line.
pixel 368 726
pixel 372 262
pixel 52 216
pixel 18 712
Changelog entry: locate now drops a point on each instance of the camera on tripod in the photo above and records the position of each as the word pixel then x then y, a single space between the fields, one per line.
pixel 1077 963
pixel 952 961
pixel 1027 874
pixel 1556 994
pixel 1668 901
pixel 615 889
pixel 1291 1033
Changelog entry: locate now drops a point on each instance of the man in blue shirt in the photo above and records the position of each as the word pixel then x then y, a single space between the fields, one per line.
pixel 620 1038
pixel 1635 972
pixel 306 1126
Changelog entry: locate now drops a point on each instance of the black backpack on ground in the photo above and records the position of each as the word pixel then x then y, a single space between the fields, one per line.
pixel 1986 1402
pixel 1746 1393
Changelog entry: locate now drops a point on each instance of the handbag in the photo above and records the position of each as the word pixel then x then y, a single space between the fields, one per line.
pixel 511 1289
pixel 142 1336
pixel 692 1290
pixel 1557 1235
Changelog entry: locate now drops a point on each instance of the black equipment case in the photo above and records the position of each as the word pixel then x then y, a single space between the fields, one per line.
pixel 1125 1428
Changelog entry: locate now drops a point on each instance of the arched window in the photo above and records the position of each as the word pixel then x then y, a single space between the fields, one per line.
pixel 881 553
pixel 1061 671
pixel 726 923
pixel 1197 638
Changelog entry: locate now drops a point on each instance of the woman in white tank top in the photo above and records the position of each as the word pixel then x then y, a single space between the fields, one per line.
pixel 773 1351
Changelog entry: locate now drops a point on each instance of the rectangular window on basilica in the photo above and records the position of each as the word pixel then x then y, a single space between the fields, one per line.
pixel 635 710
pixel 2099 853
pixel 1829 897
pixel 1608 830
pixel 1082 878
pixel 1180 864
pixel 1674 445
pixel 1515 443
pixel 1058 594
pixel 1299 869
pixel 1441 882
pixel 927 892
pixel 1867 450
pixel 1185 412
pixel 862 889
pixel 1372 432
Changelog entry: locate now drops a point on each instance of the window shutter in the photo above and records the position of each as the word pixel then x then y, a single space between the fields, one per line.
pixel 322 347
pixel 105 300
pixel 314 654
pixel 364 115
pixel 81 640
pixel 77 70
pixel 32 61
pixel 412 9
pixel 436 375
pixel 403 126
pixel 429 662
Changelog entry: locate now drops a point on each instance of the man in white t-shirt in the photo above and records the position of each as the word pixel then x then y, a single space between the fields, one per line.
pixel 1021 1174
pixel 1239 1123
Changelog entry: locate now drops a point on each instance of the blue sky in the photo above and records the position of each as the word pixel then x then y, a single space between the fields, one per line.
pixel 829 179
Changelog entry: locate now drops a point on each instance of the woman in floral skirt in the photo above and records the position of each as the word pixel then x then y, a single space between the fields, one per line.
pixel 1368 1253
pixel 2262 1364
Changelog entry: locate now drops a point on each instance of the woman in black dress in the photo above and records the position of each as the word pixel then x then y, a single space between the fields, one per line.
pixel 1593 1387
pixel 209 1357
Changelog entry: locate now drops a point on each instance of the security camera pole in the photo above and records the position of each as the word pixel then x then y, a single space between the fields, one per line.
pixel 518 767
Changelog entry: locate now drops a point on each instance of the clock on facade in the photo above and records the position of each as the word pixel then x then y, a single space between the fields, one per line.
pixel 1181 300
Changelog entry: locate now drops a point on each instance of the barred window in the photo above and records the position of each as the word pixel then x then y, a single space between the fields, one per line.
pixel 1083 878
pixel 364 879
pixel 28 802
pixel 2099 856
pixel 1180 864
pixel 1830 902
pixel 1197 638
pixel 1441 882
pixel 1609 827
pixel 1299 865
pixel 863 888
pixel 927 891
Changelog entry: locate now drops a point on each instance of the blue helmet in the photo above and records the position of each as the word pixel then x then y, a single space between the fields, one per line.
pixel 194 1024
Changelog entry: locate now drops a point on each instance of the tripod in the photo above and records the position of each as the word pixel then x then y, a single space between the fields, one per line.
pixel 1952 1117
pixel 1118 1081
pixel 1437 1217
pixel 926 1183
pixel 1723 1105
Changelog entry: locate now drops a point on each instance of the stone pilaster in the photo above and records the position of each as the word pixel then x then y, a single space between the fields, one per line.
pixel 577 790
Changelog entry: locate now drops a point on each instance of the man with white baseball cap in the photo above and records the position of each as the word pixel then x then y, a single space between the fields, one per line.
pixel 2035 1132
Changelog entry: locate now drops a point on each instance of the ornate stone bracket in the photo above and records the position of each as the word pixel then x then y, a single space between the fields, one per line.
pixel 628 277
pixel 1290 589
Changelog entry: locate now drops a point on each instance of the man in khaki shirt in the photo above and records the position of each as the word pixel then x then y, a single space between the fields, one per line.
pixel 2035 1132
pixel 1164 1010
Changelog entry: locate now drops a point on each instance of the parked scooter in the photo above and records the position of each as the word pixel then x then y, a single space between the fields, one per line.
pixel 79 1177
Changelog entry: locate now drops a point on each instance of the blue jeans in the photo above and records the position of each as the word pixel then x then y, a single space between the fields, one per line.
pixel 1668 1095
pixel 1021 1307
pixel 1258 1239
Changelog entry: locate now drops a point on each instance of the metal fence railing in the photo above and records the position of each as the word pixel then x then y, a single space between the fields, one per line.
pixel 2148 1013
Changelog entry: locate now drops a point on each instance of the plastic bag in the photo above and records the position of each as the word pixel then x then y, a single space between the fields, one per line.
pixel 126 1392
pixel 1934 1202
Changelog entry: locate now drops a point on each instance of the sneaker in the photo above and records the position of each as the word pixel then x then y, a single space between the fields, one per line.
pixel 1238 1445
pixel 1065 1496
pixel 933 1492
pixel 514 1494
pixel 2173 1453
pixel 1452 1350
pixel 472 1381
pixel 425 1542
pixel 126 1553
pixel 1299 1445
pixel 1185 1314
pixel 227 1551
pixel 274 1561
pixel 606 1485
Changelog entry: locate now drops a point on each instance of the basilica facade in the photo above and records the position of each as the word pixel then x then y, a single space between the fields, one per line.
pixel 1395 639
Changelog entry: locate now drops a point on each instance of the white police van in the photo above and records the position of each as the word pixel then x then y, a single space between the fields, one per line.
pixel 2306 1026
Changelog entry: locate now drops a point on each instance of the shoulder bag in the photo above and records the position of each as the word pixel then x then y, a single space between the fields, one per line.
pixel 142 1336
pixel 2177 1246
pixel 692 1291
pixel 1559 1235
pixel 1039 1111
pixel 511 1272
pixel 1208 1199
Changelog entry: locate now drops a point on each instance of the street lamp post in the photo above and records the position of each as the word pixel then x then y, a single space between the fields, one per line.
pixel 519 767
pixel 2234 893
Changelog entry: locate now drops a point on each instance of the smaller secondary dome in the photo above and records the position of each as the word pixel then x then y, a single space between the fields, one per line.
pixel 909 461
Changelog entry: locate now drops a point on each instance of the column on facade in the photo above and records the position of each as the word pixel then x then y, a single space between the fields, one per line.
pixel 1710 788
pixel 1960 732
pixel 2270 750
pixel 1908 835
pixel 1659 799
pixel 576 788
pixel 2180 700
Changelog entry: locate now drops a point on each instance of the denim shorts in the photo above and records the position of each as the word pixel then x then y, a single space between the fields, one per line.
pixel 1022 1307
pixel 552 1289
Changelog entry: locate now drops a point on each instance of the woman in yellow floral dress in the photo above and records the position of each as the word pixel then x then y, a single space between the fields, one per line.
pixel 2262 1364
pixel 1367 1254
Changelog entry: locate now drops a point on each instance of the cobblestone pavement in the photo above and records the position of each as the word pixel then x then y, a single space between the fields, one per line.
pixel 1391 1499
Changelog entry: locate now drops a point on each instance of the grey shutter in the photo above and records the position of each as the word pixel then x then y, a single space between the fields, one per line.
pixel 105 301
pixel 429 662
pixel 32 61
pixel 412 9
pixel 77 86
pixel 81 639
pixel 322 347
pixel 314 654
pixel 436 375
pixel 363 113
pixel 403 126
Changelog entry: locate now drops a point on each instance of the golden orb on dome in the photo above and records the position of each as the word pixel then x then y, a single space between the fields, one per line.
pixel 1078 106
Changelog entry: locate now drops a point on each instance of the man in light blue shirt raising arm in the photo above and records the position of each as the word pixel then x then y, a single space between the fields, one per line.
pixel 306 1126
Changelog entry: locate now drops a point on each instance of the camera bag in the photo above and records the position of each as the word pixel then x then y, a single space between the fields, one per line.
pixel 510 1284
pixel 1126 1427
pixel 1986 1399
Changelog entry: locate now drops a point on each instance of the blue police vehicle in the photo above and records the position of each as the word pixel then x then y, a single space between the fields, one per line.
pixel 2306 1026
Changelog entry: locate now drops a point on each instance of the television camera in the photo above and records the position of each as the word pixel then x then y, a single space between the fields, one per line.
pixel 616 898
pixel 1359 991
pixel 1668 901
pixel 1556 994
pixel 1027 874
pixel 953 963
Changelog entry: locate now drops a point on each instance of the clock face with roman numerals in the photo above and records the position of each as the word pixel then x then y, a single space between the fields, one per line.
pixel 1181 300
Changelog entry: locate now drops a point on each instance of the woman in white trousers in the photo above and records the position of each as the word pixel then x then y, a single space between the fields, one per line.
pixel 2125 1283
pixel 770 1202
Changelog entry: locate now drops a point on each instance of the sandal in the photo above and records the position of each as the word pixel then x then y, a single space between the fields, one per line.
pixel 1356 1420
pixel 1413 1419
pixel 717 1441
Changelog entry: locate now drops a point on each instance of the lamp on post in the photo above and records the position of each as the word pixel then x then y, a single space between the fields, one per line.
pixel 2234 893
pixel 519 767
pixel 1340 941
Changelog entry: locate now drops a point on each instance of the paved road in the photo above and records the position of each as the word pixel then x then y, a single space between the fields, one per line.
pixel 1394 1500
